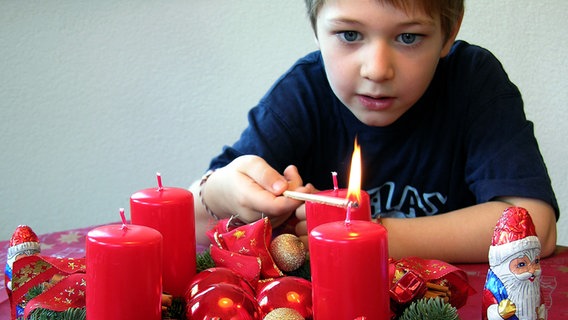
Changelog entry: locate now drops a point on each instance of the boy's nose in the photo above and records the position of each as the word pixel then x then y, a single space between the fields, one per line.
pixel 377 63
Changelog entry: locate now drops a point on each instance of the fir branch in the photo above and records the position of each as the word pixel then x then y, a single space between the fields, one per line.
pixel 430 309
pixel 69 314
pixel 35 291
pixel 204 261
pixel 74 314
pixel 176 311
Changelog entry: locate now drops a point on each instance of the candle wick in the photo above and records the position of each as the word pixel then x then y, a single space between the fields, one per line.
pixel 123 218
pixel 334 177
pixel 160 185
pixel 348 214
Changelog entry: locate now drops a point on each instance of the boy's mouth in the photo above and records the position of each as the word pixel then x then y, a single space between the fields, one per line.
pixel 376 103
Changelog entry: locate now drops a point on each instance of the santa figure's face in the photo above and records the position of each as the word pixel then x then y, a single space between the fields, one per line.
pixel 525 269
pixel 520 275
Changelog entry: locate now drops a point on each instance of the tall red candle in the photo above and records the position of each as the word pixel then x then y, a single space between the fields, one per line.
pixel 349 257
pixel 170 211
pixel 124 273
pixel 349 269
pixel 318 213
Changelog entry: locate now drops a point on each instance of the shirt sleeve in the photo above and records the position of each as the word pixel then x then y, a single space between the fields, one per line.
pixel 502 151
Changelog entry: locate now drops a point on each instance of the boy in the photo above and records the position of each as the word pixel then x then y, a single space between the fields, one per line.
pixel 445 143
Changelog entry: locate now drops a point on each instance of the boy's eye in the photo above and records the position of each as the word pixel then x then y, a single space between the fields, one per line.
pixel 408 38
pixel 349 36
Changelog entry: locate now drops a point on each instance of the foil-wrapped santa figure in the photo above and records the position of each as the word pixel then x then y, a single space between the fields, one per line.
pixel 512 288
pixel 24 241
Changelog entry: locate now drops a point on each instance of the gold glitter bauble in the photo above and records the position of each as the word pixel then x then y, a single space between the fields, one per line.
pixel 283 314
pixel 288 252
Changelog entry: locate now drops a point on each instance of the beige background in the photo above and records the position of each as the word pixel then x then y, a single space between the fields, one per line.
pixel 98 96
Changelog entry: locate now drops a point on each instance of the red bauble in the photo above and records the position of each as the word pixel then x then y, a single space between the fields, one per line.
pixel 223 301
pixel 211 276
pixel 287 292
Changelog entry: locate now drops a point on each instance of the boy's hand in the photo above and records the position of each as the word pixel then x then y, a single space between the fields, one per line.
pixel 249 187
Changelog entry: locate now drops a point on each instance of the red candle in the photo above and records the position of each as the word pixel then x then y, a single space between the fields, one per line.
pixel 349 257
pixel 318 213
pixel 170 211
pixel 124 273
pixel 349 269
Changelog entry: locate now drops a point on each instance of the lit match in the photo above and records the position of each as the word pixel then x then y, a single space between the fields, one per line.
pixel 331 201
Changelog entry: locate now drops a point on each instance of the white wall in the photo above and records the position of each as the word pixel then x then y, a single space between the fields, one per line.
pixel 98 96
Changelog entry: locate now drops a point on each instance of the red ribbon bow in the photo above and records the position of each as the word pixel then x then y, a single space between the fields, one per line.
pixel 244 249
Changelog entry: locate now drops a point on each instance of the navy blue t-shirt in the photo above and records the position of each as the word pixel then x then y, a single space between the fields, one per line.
pixel 466 141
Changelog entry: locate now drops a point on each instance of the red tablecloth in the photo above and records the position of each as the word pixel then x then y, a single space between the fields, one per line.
pixel 71 243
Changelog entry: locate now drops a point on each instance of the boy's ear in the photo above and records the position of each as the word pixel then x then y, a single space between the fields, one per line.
pixel 452 37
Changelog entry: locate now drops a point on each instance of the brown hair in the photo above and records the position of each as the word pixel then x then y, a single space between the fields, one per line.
pixel 450 11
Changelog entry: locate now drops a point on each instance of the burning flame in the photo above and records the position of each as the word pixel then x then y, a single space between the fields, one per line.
pixel 354 188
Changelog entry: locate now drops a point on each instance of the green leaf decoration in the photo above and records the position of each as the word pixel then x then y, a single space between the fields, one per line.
pixel 204 261
pixel 69 314
pixel 430 309
pixel 34 291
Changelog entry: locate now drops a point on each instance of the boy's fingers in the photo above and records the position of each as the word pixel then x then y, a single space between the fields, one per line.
pixel 293 177
pixel 302 232
pixel 263 174
pixel 301 228
pixel 301 213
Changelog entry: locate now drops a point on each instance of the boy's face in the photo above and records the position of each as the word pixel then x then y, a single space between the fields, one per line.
pixel 379 59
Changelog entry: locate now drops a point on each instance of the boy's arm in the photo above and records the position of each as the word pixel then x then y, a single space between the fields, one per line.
pixel 464 236
pixel 203 221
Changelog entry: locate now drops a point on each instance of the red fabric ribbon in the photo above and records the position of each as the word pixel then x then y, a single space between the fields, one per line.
pixel 245 245
pixel 410 275
pixel 67 293
pixel 31 271
pixel 246 266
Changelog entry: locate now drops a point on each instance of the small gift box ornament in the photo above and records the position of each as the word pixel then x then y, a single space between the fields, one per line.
pixel 414 278
pixel 512 288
